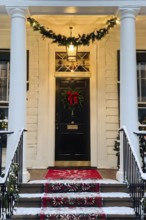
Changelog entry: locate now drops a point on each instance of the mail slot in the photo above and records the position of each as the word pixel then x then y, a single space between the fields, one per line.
pixel 72 127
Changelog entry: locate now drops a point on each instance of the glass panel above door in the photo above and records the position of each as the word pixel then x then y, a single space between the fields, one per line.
pixel 82 63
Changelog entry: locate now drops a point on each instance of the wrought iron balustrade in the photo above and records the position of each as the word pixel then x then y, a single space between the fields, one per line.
pixel 3 140
pixel 134 176
pixel 10 180
pixel 142 144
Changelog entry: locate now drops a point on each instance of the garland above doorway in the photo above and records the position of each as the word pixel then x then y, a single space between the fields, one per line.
pixel 84 39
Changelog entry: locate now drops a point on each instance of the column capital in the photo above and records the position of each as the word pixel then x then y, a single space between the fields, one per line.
pixel 128 12
pixel 19 12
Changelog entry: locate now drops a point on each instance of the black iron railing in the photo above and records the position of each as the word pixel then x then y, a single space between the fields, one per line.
pixel 10 180
pixel 3 138
pixel 142 144
pixel 133 175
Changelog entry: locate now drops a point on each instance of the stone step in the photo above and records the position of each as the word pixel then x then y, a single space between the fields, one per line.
pixel 114 213
pixel 84 199
pixel 73 185
pixel 31 188
pixel 110 194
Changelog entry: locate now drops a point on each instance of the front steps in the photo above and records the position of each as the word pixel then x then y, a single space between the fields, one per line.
pixel 70 199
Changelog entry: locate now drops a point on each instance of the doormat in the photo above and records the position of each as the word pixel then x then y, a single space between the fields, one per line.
pixel 72 174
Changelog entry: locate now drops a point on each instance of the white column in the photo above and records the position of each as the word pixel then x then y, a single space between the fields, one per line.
pixel 128 80
pixel 17 97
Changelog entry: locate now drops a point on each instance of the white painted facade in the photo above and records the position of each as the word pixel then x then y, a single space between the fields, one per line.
pixel 104 120
pixel 40 99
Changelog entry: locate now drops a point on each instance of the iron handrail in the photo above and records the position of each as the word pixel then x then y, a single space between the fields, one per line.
pixel 142 144
pixel 3 134
pixel 143 175
pixel 134 176
pixel 3 179
pixel 9 182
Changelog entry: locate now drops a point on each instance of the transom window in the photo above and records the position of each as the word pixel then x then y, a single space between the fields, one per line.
pixel 81 65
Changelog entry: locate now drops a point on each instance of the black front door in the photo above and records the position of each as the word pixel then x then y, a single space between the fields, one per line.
pixel 72 136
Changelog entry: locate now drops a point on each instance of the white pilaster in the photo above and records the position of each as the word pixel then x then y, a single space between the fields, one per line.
pixel 128 79
pixel 17 97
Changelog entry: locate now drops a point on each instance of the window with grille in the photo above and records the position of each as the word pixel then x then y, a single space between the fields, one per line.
pixel 4 83
pixel 141 84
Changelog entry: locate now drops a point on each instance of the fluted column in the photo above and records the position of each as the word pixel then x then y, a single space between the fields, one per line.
pixel 128 79
pixel 17 96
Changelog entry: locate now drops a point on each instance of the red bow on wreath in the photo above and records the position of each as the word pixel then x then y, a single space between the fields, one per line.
pixel 72 98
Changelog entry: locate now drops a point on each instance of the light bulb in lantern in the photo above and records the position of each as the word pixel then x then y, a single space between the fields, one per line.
pixel 71 47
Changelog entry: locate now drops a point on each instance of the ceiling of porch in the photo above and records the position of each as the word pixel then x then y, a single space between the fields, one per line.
pixel 80 23
pixel 91 7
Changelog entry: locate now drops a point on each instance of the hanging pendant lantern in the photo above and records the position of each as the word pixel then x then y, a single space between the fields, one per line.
pixel 71 49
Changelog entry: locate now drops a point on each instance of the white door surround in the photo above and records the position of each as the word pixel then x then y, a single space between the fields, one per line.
pixel 93 104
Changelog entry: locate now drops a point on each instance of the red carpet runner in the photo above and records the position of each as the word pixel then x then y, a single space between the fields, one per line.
pixel 67 198
pixel 72 174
